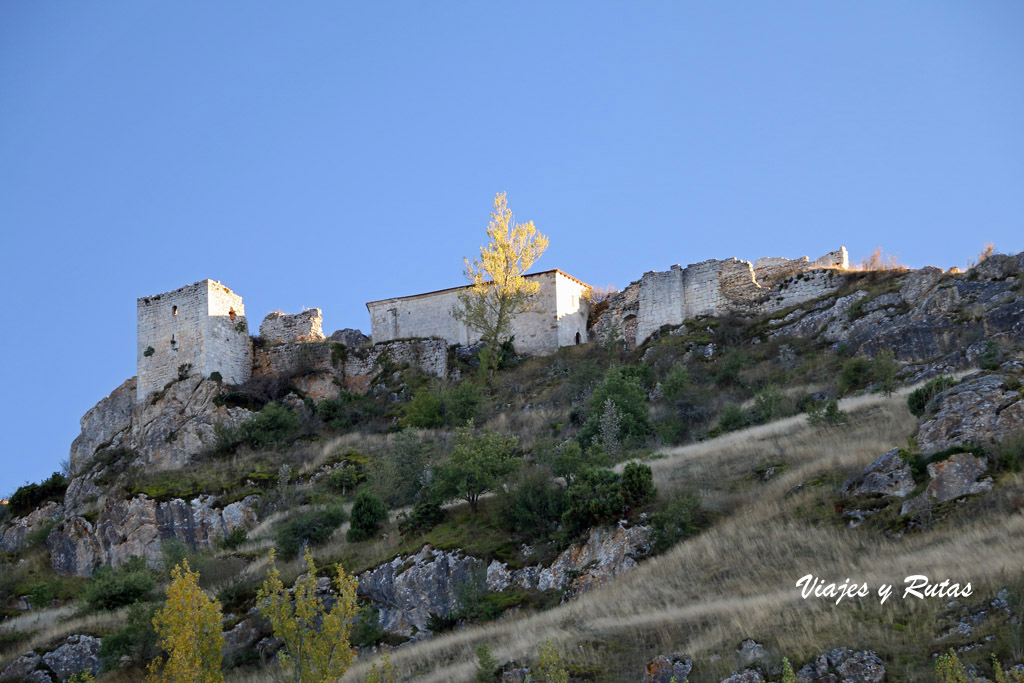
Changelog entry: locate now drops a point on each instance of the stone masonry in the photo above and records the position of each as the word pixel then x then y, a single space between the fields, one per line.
pixel 717 287
pixel 558 319
pixel 301 327
pixel 200 328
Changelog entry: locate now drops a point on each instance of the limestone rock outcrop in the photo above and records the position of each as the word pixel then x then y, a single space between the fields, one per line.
pixel 77 654
pixel 409 589
pixel 886 476
pixel 957 476
pixel 139 527
pixel 607 553
pixel 983 410
pixel 13 534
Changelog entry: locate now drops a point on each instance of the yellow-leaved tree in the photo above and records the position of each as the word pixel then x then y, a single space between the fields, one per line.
pixel 316 646
pixel 189 629
pixel 498 291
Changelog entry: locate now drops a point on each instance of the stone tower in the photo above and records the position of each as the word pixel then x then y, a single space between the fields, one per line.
pixel 198 329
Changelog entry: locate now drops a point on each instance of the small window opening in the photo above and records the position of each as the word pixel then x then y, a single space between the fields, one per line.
pixel 174 310
pixel 174 344
pixel 232 314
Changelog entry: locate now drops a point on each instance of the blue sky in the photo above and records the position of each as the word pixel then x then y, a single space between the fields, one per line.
pixel 329 154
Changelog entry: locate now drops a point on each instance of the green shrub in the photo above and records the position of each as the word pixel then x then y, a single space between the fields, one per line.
pixel 623 389
pixel 920 397
pixel 313 528
pixel 367 631
pixel 533 505
pixel 368 515
pixel 568 460
pixel 681 518
pixel 676 382
pixel 1009 454
pixel 345 478
pixel 729 367
pixel 883 371
pixel 733 417
pixel 30 496
pixel 398 470
pixel 595 498
pixel 438 406
pixel 136 639
pixel 273 426
pixel 477 464
pixel 345 411
pixel 825 413
pixel 769 404
pixel 114 587
pixel 486 665
pixel 425 515
pixel 856 374
pixel 991 358
pixel 235 538
pixel 637 484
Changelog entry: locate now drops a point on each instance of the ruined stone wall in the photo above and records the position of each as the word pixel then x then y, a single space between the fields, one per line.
pixel 716 287
pixel 322 369
pixel 228 348
pixel 300 327
pixel 536 332
pixel 772 269
pixel 200 328
pixel 660 297
pixel 801 287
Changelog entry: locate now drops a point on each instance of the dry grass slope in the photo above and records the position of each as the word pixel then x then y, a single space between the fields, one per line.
pixel 737 579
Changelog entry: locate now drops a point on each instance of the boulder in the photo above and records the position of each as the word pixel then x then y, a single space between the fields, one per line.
pixel 666 668
pixel 350 337
pixel 79 653
pixel 952 478
pixel 20 667
pixel 745 676
pixel 843 665
pixel 858 667
pixel 979 410
pixel 888 475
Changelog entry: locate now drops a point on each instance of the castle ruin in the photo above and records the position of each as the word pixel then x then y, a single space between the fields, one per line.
pixel 559 316
pixel 200 328
pixel 716 287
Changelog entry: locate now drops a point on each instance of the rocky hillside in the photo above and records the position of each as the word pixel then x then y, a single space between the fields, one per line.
pixel 649 510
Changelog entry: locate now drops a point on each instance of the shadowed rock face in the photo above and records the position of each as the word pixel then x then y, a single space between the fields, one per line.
pixel 77 654
pixel 981 410
pixel 887 476
pixel 13 534
pixel 139 527
pixel 410 588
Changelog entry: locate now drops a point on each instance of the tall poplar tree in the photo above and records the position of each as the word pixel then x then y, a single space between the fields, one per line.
pixel 189 629
pixel 498 291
